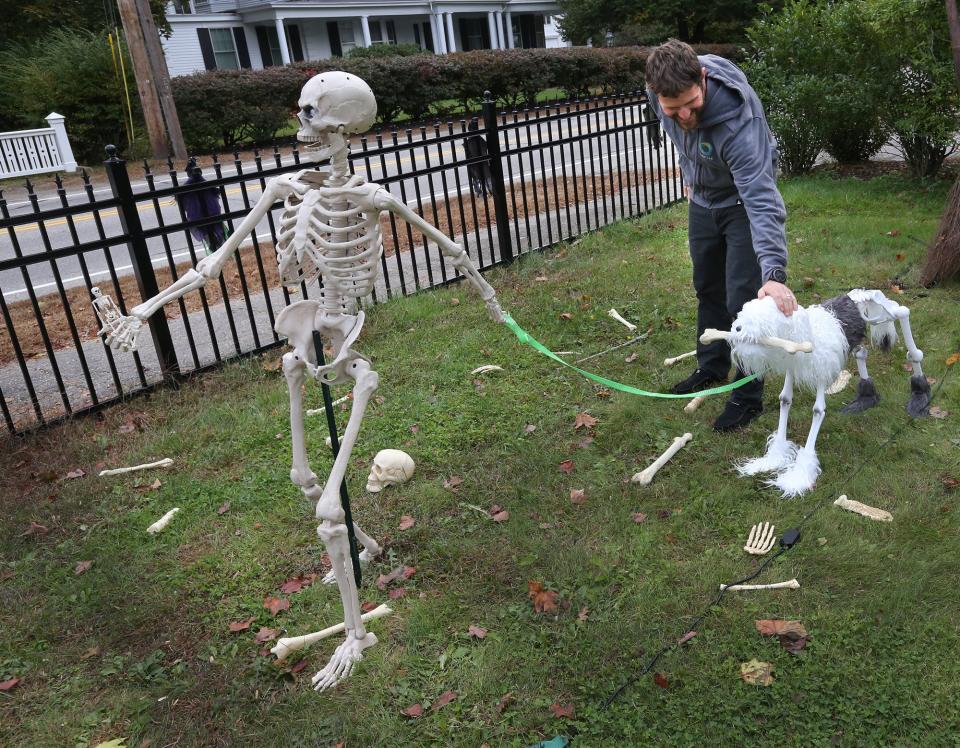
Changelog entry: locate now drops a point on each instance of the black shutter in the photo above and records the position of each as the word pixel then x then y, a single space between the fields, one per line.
pixel 206 49
pixel 333 34
pixel 296 47
pixel 243 53
pixel 263 41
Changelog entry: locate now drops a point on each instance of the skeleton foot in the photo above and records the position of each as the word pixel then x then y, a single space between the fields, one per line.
pixel 867 397
pixel 918 405
pixel 364 556
pixel 780 453
pixel 799 478
pixel 342 663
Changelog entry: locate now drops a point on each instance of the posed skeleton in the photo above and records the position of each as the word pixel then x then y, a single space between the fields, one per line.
pixel 810 349
pixel 329 229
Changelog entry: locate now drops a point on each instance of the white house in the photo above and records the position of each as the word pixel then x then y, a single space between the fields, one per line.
pixel 233 34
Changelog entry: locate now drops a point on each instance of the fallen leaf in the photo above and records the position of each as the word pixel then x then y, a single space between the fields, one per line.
pixel 685 638
pixel 562 711
pixel 584 613
pixel 900 256
pixel 585 420
pixel 566 316
pixel 948 482
pixel 81 567
pixel 908 366
pixel 412 712
pixel 296 584
pixel 501 516
pixel 585 442
pixel 273 365
pixel 478 632
pixel 893 232
pixel 541 278
pixel 236 626
pixel 397 592
pixel 544 600
pixel 952 359
pixel 454 301
pixel 415 428
pixel 300 666
pixel 639 517
pixel 78 473
pixel 8 684
pixel 578 496
pixel 265 635
pixel 504 702
pixel 6 574
pixel 367 607
pixel 566 466
pixel 94 651
pixel 631 358
pixel 792 634
pixel 530 428
pixel 224 508
pixel 442 700
pixel 406 522
pixel 453 482
pixel 401 572
pixel 757 673
pixel 276 604
pixel 603 392
pixel 663 513
pixel 661 680
pixel 35 529
pixel 937 412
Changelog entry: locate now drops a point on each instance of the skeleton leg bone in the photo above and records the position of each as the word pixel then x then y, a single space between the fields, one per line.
pixel 290 644
pixel 793 584
pixel 867 395
pixel 644 477
pixel 918 405
pixel 780 451
pixel 799 477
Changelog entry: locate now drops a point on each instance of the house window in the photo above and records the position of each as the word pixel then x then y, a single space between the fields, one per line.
pixel 383 32
pixel 224 49
pixel 273 43
pixel 347 40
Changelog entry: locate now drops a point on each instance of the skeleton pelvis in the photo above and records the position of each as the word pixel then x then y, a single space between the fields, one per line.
pixel 301 319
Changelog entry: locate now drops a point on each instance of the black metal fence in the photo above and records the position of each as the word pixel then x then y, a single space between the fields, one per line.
pixel 503 185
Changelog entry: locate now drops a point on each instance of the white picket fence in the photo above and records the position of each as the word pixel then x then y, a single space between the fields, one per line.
pixel 27 152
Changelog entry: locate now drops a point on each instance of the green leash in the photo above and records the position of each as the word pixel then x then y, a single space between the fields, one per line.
pixel 524 337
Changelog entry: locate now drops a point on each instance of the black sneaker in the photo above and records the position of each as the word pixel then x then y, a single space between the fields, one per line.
pixel 699 380
pixel 736 416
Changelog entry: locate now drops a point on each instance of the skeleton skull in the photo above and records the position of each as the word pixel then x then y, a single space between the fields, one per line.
pixel 390 467
pixel 330 103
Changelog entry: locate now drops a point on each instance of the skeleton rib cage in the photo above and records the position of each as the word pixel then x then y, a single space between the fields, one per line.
pixel 332 234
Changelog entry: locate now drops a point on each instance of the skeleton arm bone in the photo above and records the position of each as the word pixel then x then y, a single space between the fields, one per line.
pixel 712 336
pixel 461 260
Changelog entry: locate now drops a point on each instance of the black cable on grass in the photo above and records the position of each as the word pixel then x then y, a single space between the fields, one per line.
pixel 787 541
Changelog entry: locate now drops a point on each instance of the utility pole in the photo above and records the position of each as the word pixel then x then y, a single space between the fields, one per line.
pixel 153 79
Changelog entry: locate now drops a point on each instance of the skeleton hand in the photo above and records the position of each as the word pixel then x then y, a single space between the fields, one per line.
pixel 493 306
pixel 124 333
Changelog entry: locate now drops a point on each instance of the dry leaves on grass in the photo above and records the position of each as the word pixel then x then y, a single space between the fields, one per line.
pixel 296 584
pixel 685 638
pixel 544 600
pixel 265 635
pixel 8 684
pixel 236 626
pixel 78 473
pixel 756 673
pixel 661 680
pixel 498 514
pixel 792 634
pixel 584 421
pixel 276 604
pixel 639 517
pixel 412 712
pixel 578 496
pixel 937 412
pixel 566 467
pixel 406 522
pixel 477 632
pixel 81 567
pixel 401 572
pixel 504 702
pixel 224 508
pixel 952 359
pixel 561 712
pixel 453 482
pixel 35 528
pixel 442 700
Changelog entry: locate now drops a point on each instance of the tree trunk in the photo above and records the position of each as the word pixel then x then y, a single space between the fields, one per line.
pixel 943 256
pixel 683 31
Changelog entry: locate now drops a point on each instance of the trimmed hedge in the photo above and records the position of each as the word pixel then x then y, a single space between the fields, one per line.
pixel 224 108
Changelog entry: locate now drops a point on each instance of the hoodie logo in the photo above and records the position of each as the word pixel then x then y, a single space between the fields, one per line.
pixel 706 150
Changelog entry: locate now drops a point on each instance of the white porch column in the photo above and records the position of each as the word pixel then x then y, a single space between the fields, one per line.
pixel 508 22
pixel 452 46
pixel 282 36
pixel 492 23
pixel 500 33
pixel 365 25
pixel 439 36
pixel 67 160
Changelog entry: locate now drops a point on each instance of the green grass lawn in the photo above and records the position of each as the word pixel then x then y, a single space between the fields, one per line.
pixel 139 646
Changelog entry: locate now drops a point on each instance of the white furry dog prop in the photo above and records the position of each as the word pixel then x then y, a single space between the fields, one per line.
pixel 763 340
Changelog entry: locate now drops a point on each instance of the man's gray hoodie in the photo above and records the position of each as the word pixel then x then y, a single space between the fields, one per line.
pixel 731 156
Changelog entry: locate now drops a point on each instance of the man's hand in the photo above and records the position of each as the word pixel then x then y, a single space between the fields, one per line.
pixel 783 296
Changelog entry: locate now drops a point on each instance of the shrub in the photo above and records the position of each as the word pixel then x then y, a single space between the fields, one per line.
pixel 386 50
pixel 922 100
pixel 71 72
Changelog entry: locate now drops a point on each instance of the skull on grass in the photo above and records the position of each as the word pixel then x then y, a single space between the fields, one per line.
pixel 333 104
pixel 390 467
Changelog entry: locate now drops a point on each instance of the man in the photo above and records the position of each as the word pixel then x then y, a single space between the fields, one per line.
pixel 736 215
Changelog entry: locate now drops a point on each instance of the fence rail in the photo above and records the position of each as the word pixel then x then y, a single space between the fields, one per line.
pixel 27 152
pixel 502 185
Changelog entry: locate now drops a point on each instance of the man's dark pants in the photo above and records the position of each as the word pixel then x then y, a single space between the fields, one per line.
pixel 726 275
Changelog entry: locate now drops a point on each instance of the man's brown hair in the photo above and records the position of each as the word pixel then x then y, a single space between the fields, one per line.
pixel 672 68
